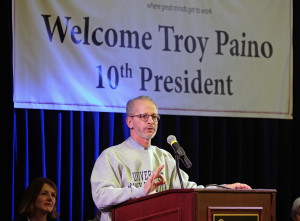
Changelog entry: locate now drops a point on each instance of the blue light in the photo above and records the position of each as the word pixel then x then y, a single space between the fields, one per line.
pixel 59 136
pixel 96 125
pixel 71 166
pixel 111 128
pixel 125 127
pixel 26 151
pixel 43 143
pixel 82 162
pixel 15 156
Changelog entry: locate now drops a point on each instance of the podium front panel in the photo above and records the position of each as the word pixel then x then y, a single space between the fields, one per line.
pixel 168 206
pixel 235 202
pixel 200 205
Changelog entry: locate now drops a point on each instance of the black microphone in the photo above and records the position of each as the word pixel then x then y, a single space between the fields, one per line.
pixel 179 150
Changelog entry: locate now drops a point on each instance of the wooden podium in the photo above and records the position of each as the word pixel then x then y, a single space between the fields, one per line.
pixel 200 204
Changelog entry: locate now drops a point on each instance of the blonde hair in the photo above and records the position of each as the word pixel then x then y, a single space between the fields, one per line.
pixel 296 206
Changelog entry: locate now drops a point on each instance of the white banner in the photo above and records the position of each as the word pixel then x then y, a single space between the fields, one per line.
pixel 193 57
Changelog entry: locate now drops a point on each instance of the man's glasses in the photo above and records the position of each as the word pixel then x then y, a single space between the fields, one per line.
pixel 145 117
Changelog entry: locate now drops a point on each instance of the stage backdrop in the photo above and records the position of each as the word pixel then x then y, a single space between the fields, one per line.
pixel 195 57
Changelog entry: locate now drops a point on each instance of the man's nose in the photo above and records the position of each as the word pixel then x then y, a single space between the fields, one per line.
pixel 150 119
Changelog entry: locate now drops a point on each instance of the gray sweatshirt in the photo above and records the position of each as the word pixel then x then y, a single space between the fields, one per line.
pixel 121 171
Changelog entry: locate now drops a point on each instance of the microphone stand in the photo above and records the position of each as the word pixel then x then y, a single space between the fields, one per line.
pixel 177 156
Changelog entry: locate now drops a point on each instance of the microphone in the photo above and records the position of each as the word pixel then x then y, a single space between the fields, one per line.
pixel 179 150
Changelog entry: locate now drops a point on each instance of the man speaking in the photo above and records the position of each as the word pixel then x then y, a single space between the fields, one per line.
pixel 135 168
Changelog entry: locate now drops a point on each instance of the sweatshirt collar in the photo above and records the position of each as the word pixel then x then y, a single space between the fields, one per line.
pixel 134 143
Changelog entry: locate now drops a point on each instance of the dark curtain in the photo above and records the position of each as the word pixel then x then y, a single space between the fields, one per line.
pixel 63 146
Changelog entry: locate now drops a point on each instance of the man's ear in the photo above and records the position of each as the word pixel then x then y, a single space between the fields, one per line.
pixel 129 122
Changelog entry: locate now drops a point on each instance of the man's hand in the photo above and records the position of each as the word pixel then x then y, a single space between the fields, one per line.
pixel 238 186
pixel 152 182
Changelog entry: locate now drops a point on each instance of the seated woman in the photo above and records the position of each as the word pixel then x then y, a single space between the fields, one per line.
pixel 39 201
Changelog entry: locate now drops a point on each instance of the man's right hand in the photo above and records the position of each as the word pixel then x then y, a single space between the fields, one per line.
pixel 152 182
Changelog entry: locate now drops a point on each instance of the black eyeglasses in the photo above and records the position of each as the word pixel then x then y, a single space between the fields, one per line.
pixel 145 117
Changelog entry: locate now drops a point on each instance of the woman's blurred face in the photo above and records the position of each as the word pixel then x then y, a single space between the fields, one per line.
pixel 46 199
